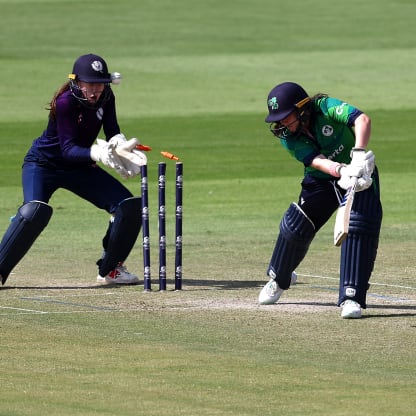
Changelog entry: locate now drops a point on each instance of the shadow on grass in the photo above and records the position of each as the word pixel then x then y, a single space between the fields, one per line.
pixel 209 284
pixel 410 308
pixel 224 284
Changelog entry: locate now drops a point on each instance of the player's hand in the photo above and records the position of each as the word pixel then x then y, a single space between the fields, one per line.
pixel 118 139
pixel 103 152
pixel 345 182
pixel 129 157
pixel 362 159
pixel 369 163
pixel 119 154
pixel 348 175
pixel 365 161
pixel 357 157
pixel 363 183
pixel 351 171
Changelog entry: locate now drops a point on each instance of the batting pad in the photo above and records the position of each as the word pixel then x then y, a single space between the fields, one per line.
pixel 359 250
pixel 296 234
pixel 122 235
pixel 29 222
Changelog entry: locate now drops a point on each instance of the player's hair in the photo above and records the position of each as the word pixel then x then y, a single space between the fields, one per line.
pixel 52 104
pixel 318 96
pixel 306 113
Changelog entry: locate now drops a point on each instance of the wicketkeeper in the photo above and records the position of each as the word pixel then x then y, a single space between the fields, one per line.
pixel 330 138
pixel 65 156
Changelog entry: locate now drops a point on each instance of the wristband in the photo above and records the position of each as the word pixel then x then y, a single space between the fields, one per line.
pixel 335 169
pixel 356 149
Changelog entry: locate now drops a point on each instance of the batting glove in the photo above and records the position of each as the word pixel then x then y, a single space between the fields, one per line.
pixel 370 162
pixel 348 172
pixel 366 161
pixel 363 159
pixel 363 183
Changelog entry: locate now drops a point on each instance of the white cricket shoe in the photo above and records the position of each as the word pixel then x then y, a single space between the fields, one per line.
pixel 350 309
pixel 119 276
pixel 270 293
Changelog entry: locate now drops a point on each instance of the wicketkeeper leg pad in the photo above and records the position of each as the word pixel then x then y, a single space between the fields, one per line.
pixel 29 222
pixel 359 250
pixel 296 234
pixel 121 235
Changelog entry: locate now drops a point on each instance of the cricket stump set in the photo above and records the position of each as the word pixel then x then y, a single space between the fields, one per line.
pixel 162 224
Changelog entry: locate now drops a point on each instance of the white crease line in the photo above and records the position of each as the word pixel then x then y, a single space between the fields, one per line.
pixel 33 312
pixel 21 309
pixel 75 295
pixel 371 283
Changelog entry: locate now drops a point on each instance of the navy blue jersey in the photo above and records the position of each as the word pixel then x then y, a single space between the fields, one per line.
pixel 68 137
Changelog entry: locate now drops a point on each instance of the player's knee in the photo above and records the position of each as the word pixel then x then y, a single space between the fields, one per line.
pixel 129 208
pixel 30 220
pixel 296 225
pixel 36 212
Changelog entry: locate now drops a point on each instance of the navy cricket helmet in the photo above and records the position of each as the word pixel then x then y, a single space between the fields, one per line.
pixel 283 99
pixel 90 68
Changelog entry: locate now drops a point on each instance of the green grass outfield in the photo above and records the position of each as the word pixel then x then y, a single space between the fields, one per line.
pixel 196 77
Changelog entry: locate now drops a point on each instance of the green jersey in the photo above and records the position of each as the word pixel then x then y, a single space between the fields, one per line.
pixel 331 135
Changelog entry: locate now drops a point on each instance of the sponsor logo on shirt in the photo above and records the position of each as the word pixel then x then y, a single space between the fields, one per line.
pixel 340 109
pixel 336 152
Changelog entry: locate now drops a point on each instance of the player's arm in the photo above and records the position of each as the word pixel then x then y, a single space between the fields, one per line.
pixel 362 128
pixel 351 116
pixel 348 174
pixel 325 165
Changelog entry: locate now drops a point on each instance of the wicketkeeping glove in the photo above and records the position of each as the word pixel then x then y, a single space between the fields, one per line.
pixel 103 152
pixel 129 157
pixel 118 139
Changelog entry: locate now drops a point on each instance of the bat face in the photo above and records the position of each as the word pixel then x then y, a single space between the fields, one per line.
pixel 342 219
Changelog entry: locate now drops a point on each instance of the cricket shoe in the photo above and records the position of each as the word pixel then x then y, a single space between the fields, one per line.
pixel 350 309
pixel 270 293
pixel 119 276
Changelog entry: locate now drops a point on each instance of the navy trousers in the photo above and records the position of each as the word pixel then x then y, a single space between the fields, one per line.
pixel 90 182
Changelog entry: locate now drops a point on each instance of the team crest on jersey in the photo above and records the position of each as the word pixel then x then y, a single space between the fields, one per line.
pixel 100 113
pixel 327 130
pixel 273 104
pixel 97 66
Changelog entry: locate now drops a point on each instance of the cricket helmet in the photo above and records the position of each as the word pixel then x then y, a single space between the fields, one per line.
pixel 283 99
pixel 90 68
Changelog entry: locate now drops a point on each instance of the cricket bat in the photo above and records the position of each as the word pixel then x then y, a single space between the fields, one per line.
pixel 342 219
